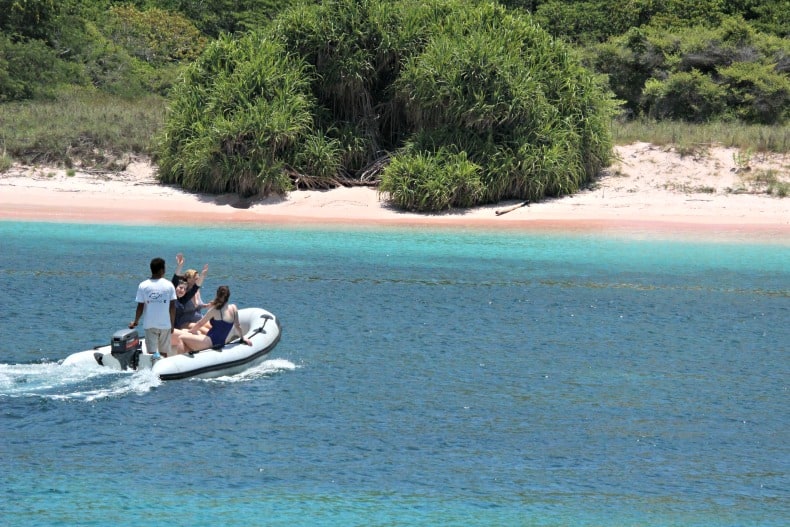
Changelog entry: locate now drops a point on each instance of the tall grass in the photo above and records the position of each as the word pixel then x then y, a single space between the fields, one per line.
pixel 685 136
pixel 80 127
pixel 68 129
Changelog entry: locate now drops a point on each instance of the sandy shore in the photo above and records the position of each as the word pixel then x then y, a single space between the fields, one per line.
pixel 650 190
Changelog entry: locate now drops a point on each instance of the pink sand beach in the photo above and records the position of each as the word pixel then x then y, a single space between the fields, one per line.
pixel 648 191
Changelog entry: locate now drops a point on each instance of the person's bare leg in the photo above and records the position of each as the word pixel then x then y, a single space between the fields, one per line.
pixel 192 342
pixel 175 341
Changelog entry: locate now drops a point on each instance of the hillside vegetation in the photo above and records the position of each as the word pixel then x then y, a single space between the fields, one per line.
pixel 441 103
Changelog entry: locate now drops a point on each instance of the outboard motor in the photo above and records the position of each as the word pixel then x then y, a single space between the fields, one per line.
pixel 126 348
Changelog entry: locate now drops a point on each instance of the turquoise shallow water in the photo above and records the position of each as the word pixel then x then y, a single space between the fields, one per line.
pixel 423 378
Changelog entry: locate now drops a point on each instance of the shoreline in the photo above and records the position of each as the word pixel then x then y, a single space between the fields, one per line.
pixel 648 192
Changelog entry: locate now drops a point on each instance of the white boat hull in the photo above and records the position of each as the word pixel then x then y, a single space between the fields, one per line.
pixel 260 326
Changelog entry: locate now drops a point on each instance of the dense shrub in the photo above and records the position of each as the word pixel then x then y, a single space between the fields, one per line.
pixel 596 20
pixel 474 103
pixel 768 16
pixel 122 50
pixel 515 100
pixel 222 16
pixel 28 19
pixel 154 36
pixel 31 69
pixel 591 20
pixel 756 92
pixel 433 181
pixel 238 119
pixel 683 95
pixel 731 71
pixel 111 68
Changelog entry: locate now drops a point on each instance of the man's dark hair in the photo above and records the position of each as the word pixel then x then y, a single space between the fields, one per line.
pixel 157 266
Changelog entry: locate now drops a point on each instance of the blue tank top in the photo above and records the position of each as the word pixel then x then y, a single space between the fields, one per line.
pixel 219 331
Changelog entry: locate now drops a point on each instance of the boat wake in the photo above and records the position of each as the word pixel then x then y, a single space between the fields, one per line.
pixel 265 369
pixel 91 382
pixel 51 380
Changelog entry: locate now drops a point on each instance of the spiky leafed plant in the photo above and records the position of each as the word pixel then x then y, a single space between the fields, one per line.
pixel 519 102
pixel 235 120
pixel 432 182
pixel 473 102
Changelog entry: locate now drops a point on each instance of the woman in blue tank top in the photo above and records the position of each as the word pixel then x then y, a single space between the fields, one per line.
pixel 223 317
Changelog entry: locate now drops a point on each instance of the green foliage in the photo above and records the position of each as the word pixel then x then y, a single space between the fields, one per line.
pixel 767 16
pixel 596 20
pixel 532 117
pixel 223 16
pixel 134 53
pixel 679 13
pixel 477 103
pixel 154 36
pixel 730 71
pixel 109 66
pixel 756 92
pixel 28 19
pixel 433 181
pixel 237 119
pixel 589 21
pixel 319 156
pixel 31 69
pixel 683 95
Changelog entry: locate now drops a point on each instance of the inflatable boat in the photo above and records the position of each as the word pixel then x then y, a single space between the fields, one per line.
pixel 127 352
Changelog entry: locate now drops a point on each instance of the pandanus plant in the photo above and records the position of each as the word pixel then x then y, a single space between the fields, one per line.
pixel 448 103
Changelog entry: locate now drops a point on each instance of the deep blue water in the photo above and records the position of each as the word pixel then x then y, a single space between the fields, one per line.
pixel 423 378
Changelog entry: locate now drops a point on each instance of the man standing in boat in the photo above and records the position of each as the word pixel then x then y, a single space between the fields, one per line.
pixel 156 298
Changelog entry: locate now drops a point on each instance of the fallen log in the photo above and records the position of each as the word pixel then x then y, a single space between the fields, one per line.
pixel 514 207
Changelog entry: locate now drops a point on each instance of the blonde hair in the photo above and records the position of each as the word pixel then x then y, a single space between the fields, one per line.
pixel 190 274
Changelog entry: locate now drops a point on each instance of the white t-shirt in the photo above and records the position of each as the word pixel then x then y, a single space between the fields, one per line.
pixel 156 294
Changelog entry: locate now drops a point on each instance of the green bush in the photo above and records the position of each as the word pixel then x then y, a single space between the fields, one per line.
pixel 418 80
pixel 28 19
pixel 769 16
pixel 224 16
pixel 689 96
pixel 756 92
pixel 433 181
pixel 597 20
pixel 112 69
pixel 237 119
pixel 154 36
pixel 31 69
pixel 518 102
pixel 319 156
pixel 590 21
pixel 745 72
